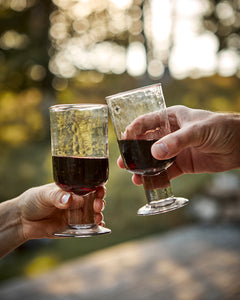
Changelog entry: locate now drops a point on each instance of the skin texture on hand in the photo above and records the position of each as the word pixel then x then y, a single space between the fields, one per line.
pixel 39 212
pixel 202 141
pixel 42 211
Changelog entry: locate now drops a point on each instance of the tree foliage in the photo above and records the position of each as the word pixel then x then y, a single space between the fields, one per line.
pixel 223 19
pixel 24 45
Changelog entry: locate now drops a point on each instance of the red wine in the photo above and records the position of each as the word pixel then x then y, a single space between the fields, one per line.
pixel 137 157
pixel 80 175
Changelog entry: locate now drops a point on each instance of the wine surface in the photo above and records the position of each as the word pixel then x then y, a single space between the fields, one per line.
pixel 138 159
pixel 80 175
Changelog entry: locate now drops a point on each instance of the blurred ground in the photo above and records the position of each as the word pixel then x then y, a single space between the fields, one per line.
pixel 192 263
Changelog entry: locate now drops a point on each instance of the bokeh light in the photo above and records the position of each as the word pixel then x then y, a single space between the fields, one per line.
pixel 170 35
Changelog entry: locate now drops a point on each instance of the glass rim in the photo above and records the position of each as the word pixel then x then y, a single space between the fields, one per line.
pixel 134 91
pixel 79 106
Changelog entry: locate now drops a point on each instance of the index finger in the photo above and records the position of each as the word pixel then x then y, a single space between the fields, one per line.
pixel 141 124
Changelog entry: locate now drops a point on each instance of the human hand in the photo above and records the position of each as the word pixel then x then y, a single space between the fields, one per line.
pixel 202 141
pixel 43 210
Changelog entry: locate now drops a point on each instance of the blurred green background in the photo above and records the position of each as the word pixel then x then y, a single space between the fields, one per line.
pixel 60 51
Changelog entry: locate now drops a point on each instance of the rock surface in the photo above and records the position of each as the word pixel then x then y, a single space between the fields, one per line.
pixel 193 263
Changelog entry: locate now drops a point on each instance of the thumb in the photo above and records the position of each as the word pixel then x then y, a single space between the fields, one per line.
pixel 52 195
pixel 173 143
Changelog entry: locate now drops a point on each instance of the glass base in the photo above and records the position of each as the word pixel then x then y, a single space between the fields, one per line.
pixel 82 231
pixel 162 206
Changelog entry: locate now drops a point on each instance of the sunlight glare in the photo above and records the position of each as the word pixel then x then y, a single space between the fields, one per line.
pixel 224 10
pixel 196 56
pixel 194 52
pixel 228 63
pixel 190 8
pixel 122 4
pixel 155 68
pixel 173 32
pixel 161 27
pixel 136 59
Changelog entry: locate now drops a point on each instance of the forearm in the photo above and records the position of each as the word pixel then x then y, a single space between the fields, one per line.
pixel 10 226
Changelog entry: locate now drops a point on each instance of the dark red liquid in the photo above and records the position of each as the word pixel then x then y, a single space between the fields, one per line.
pixel 137 157
pixel 80 175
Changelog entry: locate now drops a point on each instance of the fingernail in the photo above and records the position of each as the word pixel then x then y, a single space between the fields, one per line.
pixel 65 198
pixel 160 150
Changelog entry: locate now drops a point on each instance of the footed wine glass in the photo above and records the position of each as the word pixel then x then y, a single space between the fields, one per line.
pixel 79 144
pixel 140 119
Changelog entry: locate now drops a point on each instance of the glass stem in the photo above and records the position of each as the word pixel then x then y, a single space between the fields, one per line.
pixel 81 213
pixel 157 188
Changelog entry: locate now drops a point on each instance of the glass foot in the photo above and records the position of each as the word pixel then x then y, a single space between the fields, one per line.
pixel 162 206
pixel 82 231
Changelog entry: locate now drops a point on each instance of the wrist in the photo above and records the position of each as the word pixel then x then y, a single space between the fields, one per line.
pixel 11 233
pixel 19 221
pixel 231 137
pixel 16 223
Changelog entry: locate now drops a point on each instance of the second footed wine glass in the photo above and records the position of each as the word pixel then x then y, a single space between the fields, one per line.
pixel 79 144
pixel 140 119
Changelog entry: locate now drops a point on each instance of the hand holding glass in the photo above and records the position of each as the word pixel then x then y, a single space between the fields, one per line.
pixel 79 143
pixel 140 119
